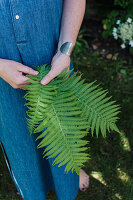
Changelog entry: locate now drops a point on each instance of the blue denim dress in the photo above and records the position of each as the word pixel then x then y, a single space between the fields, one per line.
pixel 29 34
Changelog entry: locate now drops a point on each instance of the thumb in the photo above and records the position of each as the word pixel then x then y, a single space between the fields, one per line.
pixel 51 75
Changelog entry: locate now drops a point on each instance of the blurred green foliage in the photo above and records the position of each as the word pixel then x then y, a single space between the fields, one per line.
pixel 121 9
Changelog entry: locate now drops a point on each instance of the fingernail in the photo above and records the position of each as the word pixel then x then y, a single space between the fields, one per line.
pixel 36 72
pixel 43 82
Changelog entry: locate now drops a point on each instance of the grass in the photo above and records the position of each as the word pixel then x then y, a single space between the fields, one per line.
pixel 110 167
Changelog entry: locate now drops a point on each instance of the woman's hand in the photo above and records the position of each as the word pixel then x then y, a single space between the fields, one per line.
pixel 12 72
pixel 58 64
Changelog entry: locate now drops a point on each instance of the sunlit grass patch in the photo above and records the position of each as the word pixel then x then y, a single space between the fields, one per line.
pixel 123 175
pixel 98 176
pixel 125 142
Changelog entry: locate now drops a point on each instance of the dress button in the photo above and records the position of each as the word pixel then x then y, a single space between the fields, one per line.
pixel 17 16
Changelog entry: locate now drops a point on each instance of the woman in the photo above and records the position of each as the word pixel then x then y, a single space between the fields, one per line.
pixel 31 32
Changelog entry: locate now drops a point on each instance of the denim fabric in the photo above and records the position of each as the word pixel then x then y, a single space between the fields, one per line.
pixel 30 38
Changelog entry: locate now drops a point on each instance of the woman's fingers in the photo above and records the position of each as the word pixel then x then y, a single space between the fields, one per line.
pixel 20 81
pixel 51 75
pixel 23 87
pixel 27 70
pixel 24 78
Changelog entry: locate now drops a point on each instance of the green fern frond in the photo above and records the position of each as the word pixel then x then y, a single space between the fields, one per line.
pixel 37 98
pixel 63 111
pixel 101 113
pixel 63 121
pixel 67 135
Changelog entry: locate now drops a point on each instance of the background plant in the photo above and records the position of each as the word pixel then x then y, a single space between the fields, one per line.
pixel 121 10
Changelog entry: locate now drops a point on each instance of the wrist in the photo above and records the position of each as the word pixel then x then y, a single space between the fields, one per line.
pixel 66 48
pixel 63 56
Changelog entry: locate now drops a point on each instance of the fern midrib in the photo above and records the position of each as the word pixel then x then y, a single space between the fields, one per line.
pixel 36 109
pixel 70 152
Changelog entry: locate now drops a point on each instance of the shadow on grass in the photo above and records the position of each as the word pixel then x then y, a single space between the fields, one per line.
pixel 111 165
pixel 8 190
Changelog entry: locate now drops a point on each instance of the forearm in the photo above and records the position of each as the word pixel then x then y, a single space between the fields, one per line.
pixel 72 17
